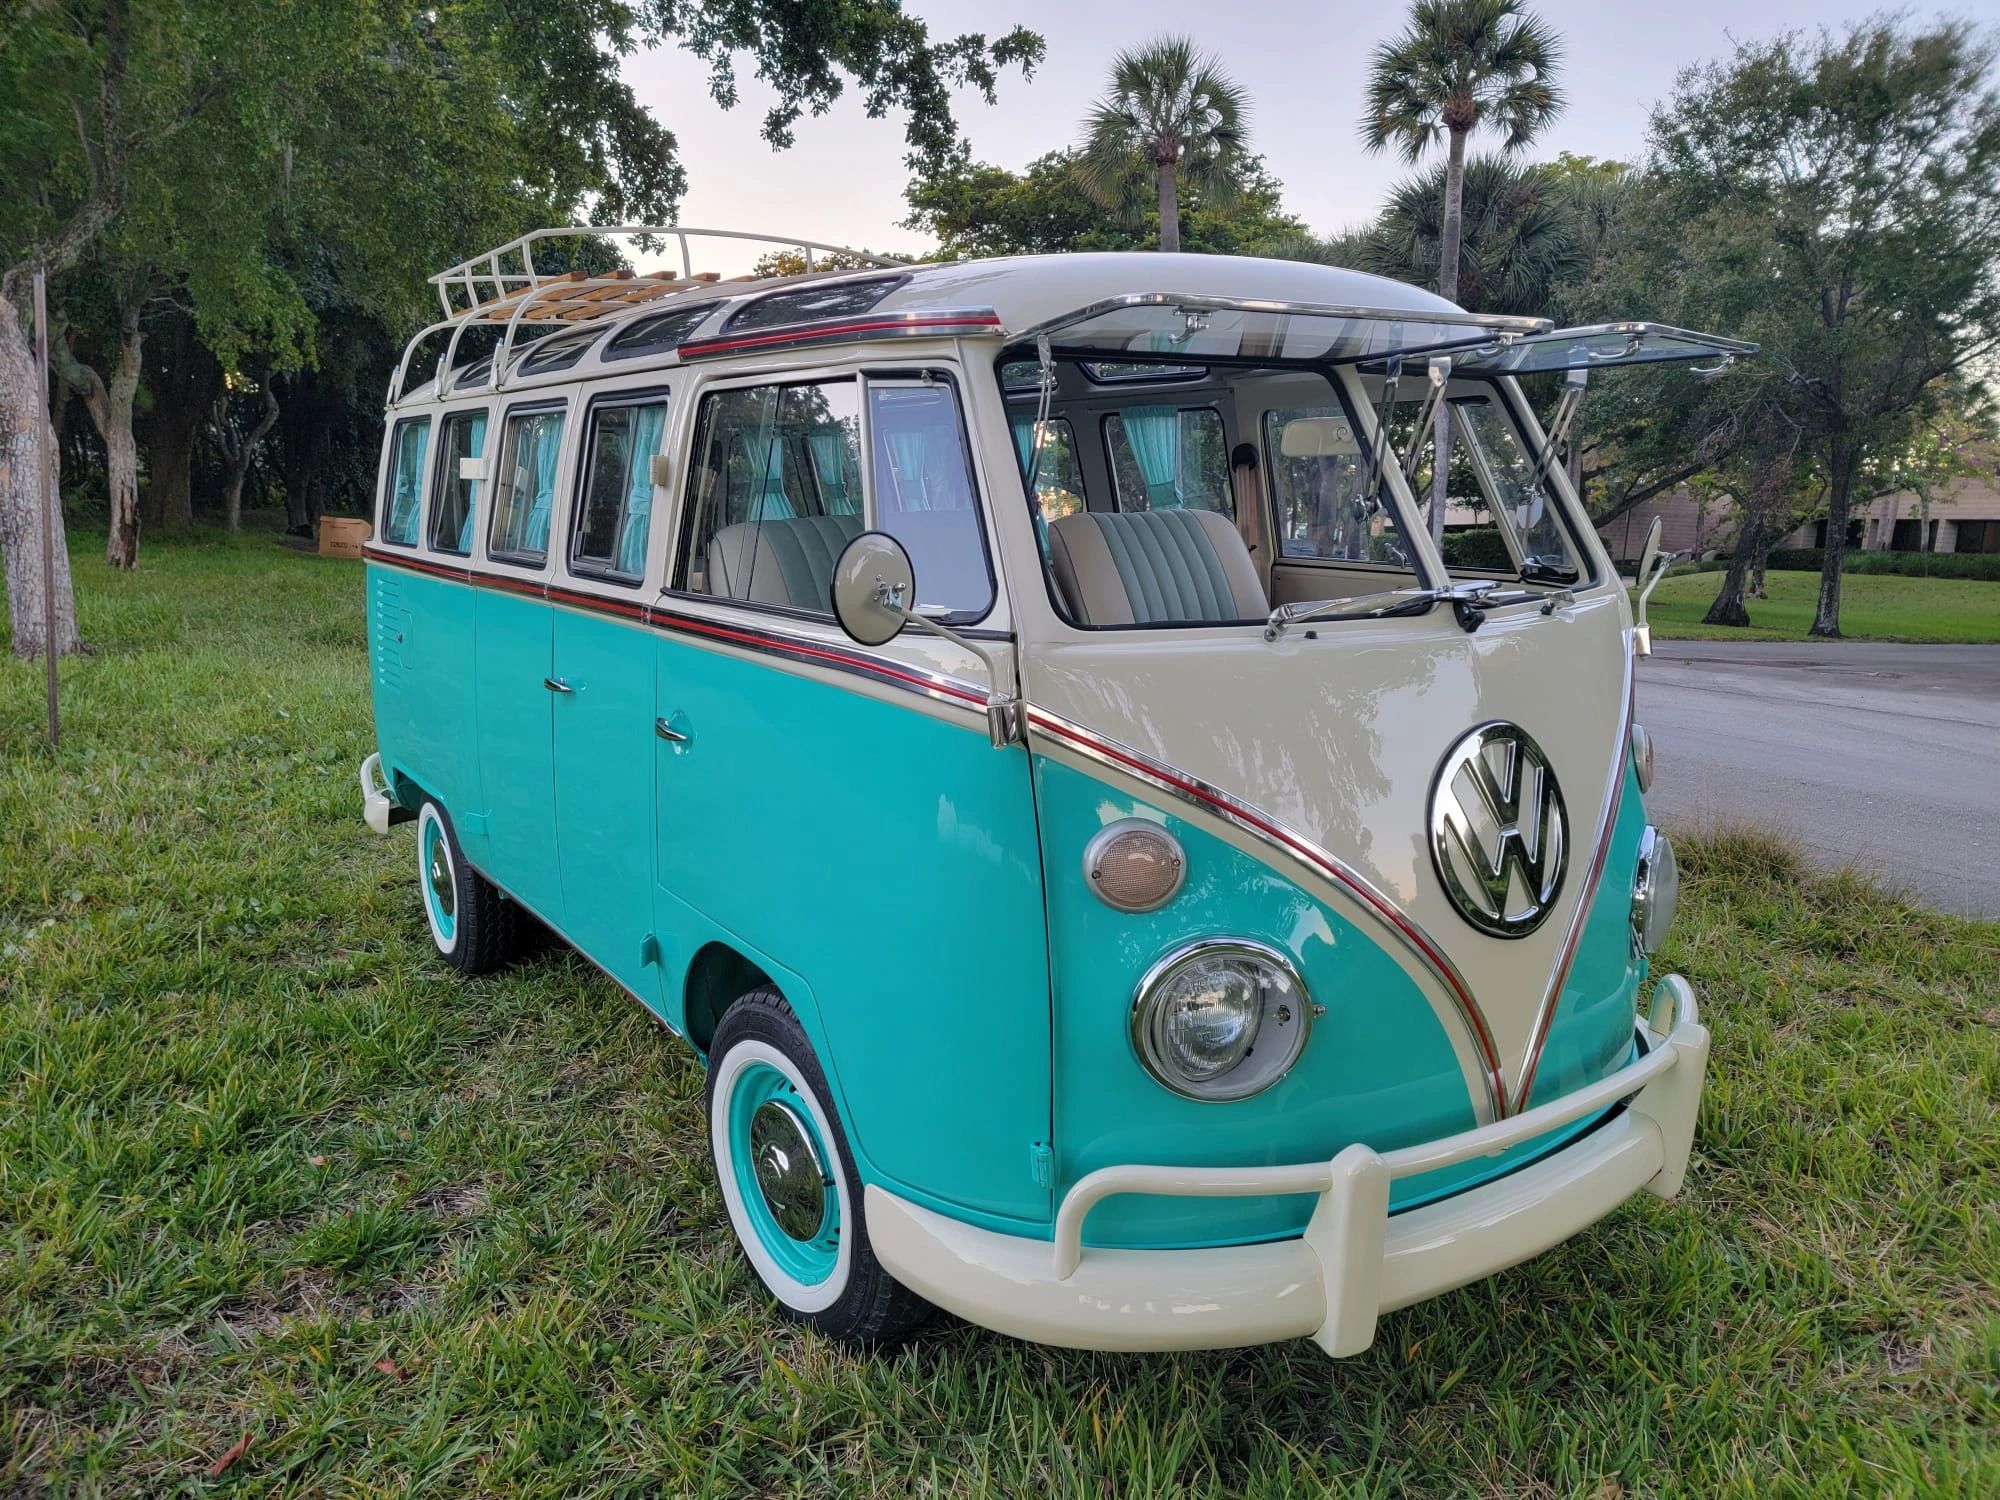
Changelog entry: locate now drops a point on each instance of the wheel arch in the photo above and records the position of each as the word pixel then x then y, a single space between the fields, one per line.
pixel 716 976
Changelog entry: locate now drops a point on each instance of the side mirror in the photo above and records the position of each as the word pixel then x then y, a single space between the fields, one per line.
pixel 1652 567
pixel 873 588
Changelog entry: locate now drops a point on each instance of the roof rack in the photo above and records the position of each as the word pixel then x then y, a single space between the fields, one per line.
pixel 503 286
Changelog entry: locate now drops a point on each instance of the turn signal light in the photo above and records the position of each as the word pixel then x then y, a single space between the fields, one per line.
pixel 1134 865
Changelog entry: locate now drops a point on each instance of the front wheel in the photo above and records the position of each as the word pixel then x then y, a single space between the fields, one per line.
pixel 794 1198
pixel 475 927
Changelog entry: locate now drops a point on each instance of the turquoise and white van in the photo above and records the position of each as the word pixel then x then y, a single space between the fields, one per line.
pixel 1134 881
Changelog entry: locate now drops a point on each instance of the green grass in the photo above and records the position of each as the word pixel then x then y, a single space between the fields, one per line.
pixel 254 1140
pixel 1873 607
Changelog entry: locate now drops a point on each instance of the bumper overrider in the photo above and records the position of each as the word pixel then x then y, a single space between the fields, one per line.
pixel 1354 1262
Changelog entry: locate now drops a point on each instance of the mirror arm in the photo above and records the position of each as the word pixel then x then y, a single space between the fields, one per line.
pixel 1005 723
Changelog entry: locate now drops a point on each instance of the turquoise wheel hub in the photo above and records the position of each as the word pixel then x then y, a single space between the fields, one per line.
pixel 782 1176
pixel 440 894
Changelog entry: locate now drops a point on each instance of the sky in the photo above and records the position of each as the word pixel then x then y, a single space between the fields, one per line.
pixel 1303 65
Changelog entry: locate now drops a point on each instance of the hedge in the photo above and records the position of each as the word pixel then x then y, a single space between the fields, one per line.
pixel 1477 547
pixel 1984 565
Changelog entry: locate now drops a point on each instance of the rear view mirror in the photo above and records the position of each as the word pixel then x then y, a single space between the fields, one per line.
pixel 874 586
pixel 1318 437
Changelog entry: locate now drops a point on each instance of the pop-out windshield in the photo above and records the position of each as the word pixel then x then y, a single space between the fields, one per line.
pixel 1203 494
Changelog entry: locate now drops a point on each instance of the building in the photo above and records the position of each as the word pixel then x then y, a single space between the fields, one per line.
pixel 1963 516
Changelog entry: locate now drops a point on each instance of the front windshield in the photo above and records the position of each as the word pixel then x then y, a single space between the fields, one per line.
pixel 1181 494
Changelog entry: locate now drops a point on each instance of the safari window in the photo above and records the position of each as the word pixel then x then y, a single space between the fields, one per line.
pixel 457 498
pixel 1058 475
pixel 924 495
pixel 403 493
pixel 1324 504
pixel 1499 515
pixel 774 494
pixel 1169 458
pixel 524 497
pixel 614 512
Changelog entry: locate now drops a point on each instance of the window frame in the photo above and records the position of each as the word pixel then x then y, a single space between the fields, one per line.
pixel 1280 557
pixel 515 409
pixel 721 383
pixel 384 499
pixel 585 568
pixel 1111 465
pixel 746 316
pixel 439 478
pixel 613 354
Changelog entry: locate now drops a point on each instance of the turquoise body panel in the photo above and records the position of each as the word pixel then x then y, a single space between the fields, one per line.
pixel 420 633
pixel 604 744
pixel 514 652
pixel 1379 1067
pixel 890 856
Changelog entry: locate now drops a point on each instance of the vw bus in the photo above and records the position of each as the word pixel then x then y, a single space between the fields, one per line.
pixel 1136 877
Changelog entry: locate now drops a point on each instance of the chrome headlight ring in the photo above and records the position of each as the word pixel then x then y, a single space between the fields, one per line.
pixel 1221 1019
pixel 1642 757
pixel 1656 891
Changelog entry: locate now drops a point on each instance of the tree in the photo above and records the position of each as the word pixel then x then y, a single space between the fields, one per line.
pixel 1172 116
pixel 975 209
pixel 1848 188
pixel 1458 66
pixel 1522 235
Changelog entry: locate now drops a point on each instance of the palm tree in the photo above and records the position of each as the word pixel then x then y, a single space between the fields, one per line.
pixel 1172 116
pixel 1526 239
pixel 1460 65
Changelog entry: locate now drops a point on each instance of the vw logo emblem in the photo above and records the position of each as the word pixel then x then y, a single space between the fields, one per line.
pixel 1499 835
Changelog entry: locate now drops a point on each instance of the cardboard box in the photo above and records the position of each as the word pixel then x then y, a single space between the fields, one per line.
pixel 342 536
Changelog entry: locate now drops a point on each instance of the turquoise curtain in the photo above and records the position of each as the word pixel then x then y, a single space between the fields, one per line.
pixel 1155 435
pixel 1024 437
pixel 908 452
pixel 475 443
pixel 768 500
pixel 409 482
pixel 647 424
pixel 547 431
pixel 828 446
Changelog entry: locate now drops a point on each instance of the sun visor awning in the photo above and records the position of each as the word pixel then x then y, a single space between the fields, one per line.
pixel 1167 326
pixel 1592 347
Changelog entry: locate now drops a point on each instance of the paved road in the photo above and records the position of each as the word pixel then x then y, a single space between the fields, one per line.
pixel 1884 756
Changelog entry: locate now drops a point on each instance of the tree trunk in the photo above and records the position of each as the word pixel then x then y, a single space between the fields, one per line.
pixel 1842 463
pixel 24 420
pixel 1761 565
pixel 1448 243
pixel 1170 208
pixel 1728 608
pixel 240 458
pixel 184 380
pixel 110 408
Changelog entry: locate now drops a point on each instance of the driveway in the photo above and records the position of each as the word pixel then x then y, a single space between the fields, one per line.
pixel 1884 756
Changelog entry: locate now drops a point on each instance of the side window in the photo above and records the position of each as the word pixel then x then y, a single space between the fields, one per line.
pixel 525 487
pixel 923 492
pixel 1058 477
pixel 403 493
pixel 614 512
pixel 1167 458
pixel 774 494
pixel 1319 490
pixel 456 498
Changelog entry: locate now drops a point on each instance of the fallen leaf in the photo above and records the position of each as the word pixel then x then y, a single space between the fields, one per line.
pixel 234 1451
pixel 390 1368
pixel 317 1161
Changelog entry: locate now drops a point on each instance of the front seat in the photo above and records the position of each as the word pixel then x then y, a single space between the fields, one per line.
pixel 782 561
pixel 1152 567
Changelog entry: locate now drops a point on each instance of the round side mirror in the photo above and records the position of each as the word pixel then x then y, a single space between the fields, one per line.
pixel 1649 555
pixel 873 588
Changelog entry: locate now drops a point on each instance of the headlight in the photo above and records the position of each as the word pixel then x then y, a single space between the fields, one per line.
pixel 1642 757
pixel 1220 1019
pixel 1657 892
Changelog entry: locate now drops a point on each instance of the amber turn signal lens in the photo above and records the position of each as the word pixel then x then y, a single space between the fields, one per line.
pixel 1134 865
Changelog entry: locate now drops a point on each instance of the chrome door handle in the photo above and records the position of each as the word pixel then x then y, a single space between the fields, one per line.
pixel 557 685
pixel 670 734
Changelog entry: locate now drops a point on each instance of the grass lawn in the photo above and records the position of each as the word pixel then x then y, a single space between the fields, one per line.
pixel 1873 607
pixel 269 1171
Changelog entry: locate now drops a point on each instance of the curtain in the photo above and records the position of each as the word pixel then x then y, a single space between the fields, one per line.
pixel 409 482
pixel 768 500
pixel 547 434
pixel 1024 436
pixel 475 442
pixel 1155 435
pixel 907 454
pixel 828 447
pixel 647 424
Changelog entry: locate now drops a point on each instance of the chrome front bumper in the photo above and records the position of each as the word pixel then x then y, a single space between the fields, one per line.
pixel 1354 1261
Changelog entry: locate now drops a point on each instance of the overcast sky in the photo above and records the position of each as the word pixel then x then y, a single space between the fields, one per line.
pixel 1302 62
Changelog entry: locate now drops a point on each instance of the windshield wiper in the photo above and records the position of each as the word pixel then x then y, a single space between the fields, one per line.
pixel 1469 603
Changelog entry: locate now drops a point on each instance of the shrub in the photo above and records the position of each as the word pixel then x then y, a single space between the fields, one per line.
pixel 1479 547
pixel 1984 565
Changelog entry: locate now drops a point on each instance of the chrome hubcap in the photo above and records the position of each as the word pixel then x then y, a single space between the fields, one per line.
pixel 789 1171
pixel 440 877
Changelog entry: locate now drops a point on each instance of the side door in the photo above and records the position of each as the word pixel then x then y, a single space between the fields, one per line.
pixel 604 657
pixel 514 662
pixel 829 814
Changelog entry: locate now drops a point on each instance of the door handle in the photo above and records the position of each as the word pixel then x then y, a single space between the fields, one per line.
pixel 557 685
pixel 670 734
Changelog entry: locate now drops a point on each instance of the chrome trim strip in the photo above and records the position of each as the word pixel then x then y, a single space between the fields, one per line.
pixel 1321 862
pixel 1614 793
pixel 1452 317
